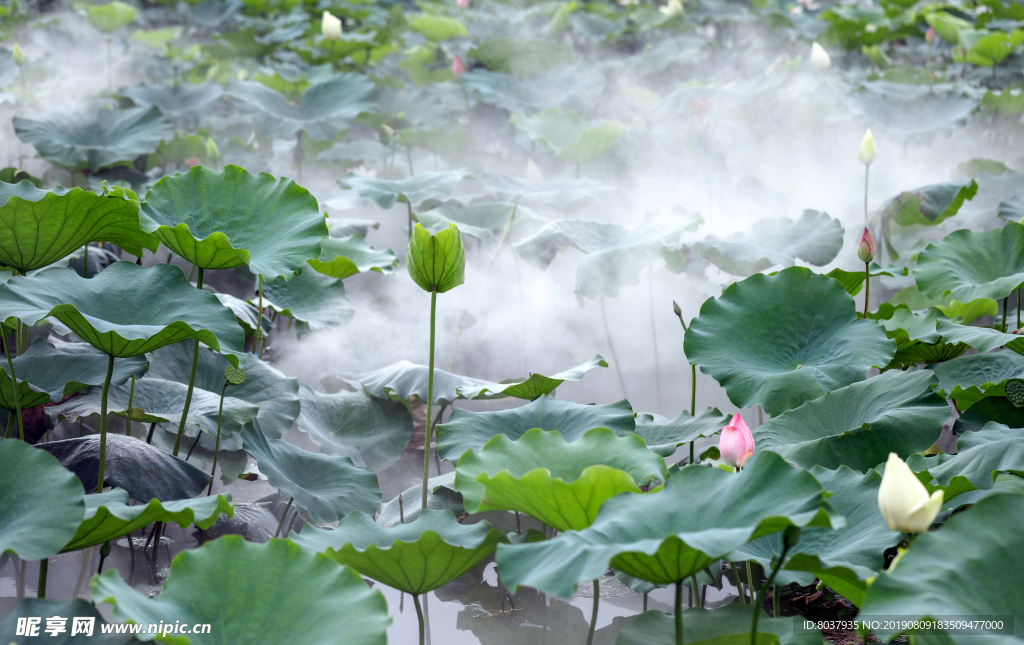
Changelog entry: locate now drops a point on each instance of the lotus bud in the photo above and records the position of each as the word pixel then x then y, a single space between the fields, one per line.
pixel 866 250
pixel 929 36
pixel 18 56
pixel 436 262
pixel 458 67
pixel 676 309
pixel 212 151
pixel 867 150
pixel 462 3
pixel 330 26
pixel 736 443
pixel 903 499
pixel 819 57
pixel 672 9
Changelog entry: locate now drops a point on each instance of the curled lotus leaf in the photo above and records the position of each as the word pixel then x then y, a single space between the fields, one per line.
pixel 973 265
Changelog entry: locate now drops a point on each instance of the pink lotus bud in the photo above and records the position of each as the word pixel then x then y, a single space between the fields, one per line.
pixel 866 250
pixel 462 3
pixel 458 67
pixel 736 443
pixel 929 36
pixel 192 161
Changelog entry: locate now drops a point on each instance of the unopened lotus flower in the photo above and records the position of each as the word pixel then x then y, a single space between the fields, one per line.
pixel 462 3
pixel 929 36
pixel 866 250
pixel 819 57
pixel 867 150
pixel 672 9
pixel 904 500
pixel 736 443
pixel 330 26
pixel 18 56
pixel 458 67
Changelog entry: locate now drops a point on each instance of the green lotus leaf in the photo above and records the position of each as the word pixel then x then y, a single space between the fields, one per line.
pixel 324 110
pixel 467 430
pixel 373 432
pixel 414 190
pixel 853 281
pixel 437 263
pixel 929 205
pixel 968 379
pixel 728 625
pixel 95 140
pixel 437 28
pixel 276 395
pixel 145 471
pixel 312 298
pixel 968 312
pixel 983 339
pixel 327 487
pixel 111 16
pixel 48 372
pixel 846 558
pixel 992 408
pixel 245 314
pixel 485 220
pixel 344 257
pixel 108 516
pixel 35 608
pixel 536 385
pixel 815 238
pixel 225 583
pixel 981 456
pixel 663 436
pixel 654 537
pixel 859 425
pixel 570 136
pixel 973 265
pixel 40 227
pixel 415 557
pixel 110 311
pixel 41 503
pixel 780 358
pixel 160 401
pixel 351 152
pixel 404 380
pixel 441 495
pixel 559 483
pixel 992 49
pixel 1005 483
pixel 566 195
pixel 975 551
pixel 229 218
pixel 185 99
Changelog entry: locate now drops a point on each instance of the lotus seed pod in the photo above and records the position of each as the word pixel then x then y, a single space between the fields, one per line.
pixel 436 262
pixel 234 375
pixel 1015 392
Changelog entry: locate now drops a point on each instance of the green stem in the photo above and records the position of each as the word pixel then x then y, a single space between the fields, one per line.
pixel 504 234
pixel 430 401
pixel 750 581
pixel 419 615
pixel 191 381
pixel 1018 308
pixel 867 288
pixel 867 169
pixel 283 515
pixel 216 447
pixel 679 613
pixel 760 597
pixel 10 426
pixel 611 349
pixel 103 422
pixel 408 209
pixel 259 316
pixel 693 390
pixel 695 589
pixel 455 346
pixel 775 601
pixel 129 414
pixel 1006 303
pixel 44 566
pixel 593 614
pixel 85 261
pixel 14 384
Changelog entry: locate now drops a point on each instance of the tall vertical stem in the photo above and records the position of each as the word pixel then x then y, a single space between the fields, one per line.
pixel 259 318
pixel 867 169
pixel 44 566
pixel 867 288
pixel 695 589
pixel 191 380
pixel 419 615
pixel 1018 308
pixel 129 414
pixel 593 614
pixel 760 596
pixel 611 349
pixel 430 401
pixel 14 383
pixel 679 613
pixel 103 422
pixel 280 524
pixel 1006 304
pixel 216 447
pixel 85 261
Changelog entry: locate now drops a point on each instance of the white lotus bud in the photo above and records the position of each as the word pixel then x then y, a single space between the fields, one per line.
pixel 819 57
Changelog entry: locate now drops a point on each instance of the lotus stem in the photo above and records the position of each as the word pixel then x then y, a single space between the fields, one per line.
pixel 401 510
pixel 44 565
pixel 695 589
pixel 14 385
pixel 867 288
pixel 611 348
pixel 430 401
pixel 298 155
pixel 1018 308
pixel 110 66
pixel 408 209
pixel 775 602
pixel 191 381
pixel 593 615
pixel 867 170
pixel 1006 304
pixel 9 432
pixel 129 414
pixel 455 345
pixel 216 447
pixel 283 515
pixel 419 615
pixel 259 318
pixel 85 261
pixel 103 422
pixel 760 597
pixel 504 235
pixel 679 612
pixel 750 580
pixel 149 436
pixel 654 337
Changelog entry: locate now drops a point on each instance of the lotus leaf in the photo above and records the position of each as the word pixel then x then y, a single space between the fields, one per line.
pixel 973 265
pixel 860 424
pixel 566 195
pixel 415 557
pixel 404 380
pixel 559 483
pixel 483 221
pixel 983 339
pixel 95 140
pixel 229 218
pixel 111 16
pixel 310 297
pixel 663 436
pixel 245 314
pixel 853 281
pixel 654 537
pixel 728 625
pixel 569 136
pixel 976 552
pixel 993 408
pixel 40 227
pixel 414 190
pixel 437 28
pixel 298 597
pixel 145 471
pixel 176 100
pixel 535 386
pixel 327 487
pixel 781 357
pixel 981 456
pixel 466 430
pixel 344 257
pixel 968 379
pixel 371 431
pixel 108 516
pixel 441 495
pixel 929 205
pixel 33 607
pixel 41 503
pixel 436 263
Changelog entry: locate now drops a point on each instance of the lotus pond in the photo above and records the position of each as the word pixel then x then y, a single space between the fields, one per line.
pixel 512 322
